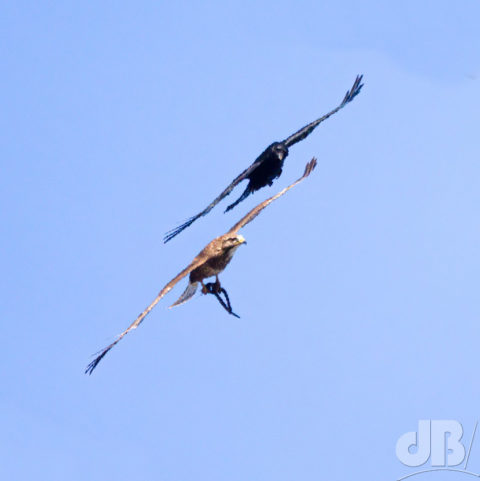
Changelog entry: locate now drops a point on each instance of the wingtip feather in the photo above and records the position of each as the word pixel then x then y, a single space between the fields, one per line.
pixel 310 166
pixel 90 368
pixel 174 232
pixel 354 91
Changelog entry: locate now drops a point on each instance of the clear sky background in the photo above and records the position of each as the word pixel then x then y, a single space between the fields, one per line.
pixel 358 290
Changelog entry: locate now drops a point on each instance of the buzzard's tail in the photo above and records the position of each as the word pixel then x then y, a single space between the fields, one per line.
pixel 245 194
pixel 187 294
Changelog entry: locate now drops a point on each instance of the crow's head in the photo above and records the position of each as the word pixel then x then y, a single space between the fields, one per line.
pixel 279 149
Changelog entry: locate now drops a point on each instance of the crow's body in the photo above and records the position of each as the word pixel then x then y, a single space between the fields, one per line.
pixel 268 165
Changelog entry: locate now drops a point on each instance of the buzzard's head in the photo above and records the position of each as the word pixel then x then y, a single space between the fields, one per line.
pixel 233 242
pixel 280 150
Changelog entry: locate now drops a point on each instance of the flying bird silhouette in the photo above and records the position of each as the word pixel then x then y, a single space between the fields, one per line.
pixel 268 165
pixel 212 260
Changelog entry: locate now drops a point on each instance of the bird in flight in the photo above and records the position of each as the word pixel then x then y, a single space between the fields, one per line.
pixel 209 262
pixel 268 165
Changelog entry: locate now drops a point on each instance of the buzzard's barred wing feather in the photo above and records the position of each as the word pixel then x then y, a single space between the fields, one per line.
pixel 200 259
pixel 307 130
pixel 256 210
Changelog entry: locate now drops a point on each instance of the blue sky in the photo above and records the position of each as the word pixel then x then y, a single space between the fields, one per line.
pixel 358 290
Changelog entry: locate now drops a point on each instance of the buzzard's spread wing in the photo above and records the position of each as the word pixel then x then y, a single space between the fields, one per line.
pixel 256 210
pixel 199 260
pixel 307 130
pixel 171 234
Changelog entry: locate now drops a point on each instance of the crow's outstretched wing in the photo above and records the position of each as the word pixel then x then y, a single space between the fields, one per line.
pixel 199 260
pixel 171 234
pixel 307 130
pixel 256 210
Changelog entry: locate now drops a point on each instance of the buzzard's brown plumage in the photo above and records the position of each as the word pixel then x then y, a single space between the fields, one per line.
pixel 209 262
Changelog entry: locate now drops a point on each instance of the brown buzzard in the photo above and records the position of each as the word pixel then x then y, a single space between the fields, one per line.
pixel 209 262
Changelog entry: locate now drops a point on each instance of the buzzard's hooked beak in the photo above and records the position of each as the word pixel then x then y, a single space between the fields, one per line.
pixel 241 239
